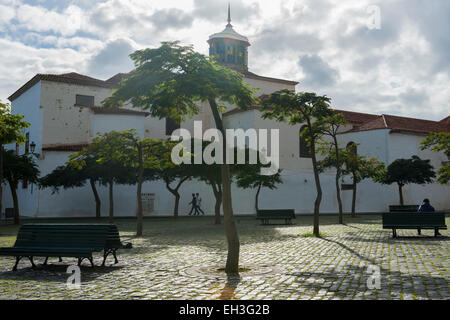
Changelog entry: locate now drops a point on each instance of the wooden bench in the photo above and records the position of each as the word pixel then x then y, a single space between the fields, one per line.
pixel 65 240
pixel 414 220
pixel 276 214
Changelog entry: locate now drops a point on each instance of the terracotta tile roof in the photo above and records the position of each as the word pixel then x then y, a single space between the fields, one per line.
pixel 357 117
pixel 64 147
pixel 445 121
pixel 72 78
pixel 119 77
pixel 118 111
pixel 397 123
pixel 366 121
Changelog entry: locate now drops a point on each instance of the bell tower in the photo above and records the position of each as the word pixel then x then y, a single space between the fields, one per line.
pixel 229 48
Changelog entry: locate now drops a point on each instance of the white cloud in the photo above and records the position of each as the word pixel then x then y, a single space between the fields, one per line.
pixel 7 13
pixel 40 19
pixel 403 68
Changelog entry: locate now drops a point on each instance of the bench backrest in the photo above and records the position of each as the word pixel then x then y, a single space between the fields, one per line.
pixel 431 219
pixel 95 236
pixel 282 213
pixel 405 208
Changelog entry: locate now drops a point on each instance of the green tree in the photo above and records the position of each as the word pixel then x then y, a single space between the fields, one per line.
pixel 106 151
pixel 251 178
pixel 211 175
pixel 406 171
pixel 333 160
pixel 11 126
pixel 18 168
pixel 297 108
pixel 172 174
pixel 332 124
pixel 135 153
pixel 170 81
pixel 439 142
pixel 68 177
pixel 127 159
pixel 360 168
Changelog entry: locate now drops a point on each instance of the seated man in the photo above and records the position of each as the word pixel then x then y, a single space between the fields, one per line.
pixel 426 207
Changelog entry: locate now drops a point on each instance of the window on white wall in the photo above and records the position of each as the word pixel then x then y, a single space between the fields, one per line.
pixel 148 203
pixel 82 100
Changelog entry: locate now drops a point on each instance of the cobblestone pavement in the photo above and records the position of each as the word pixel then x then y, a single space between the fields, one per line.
pixel 169 263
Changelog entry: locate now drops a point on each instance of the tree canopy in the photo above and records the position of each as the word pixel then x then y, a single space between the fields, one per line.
pixel 439 142
pixel 251 178
pixel 169 81
pixel 11 126
pixel 406 171
pixel 63 177
pixel 110 155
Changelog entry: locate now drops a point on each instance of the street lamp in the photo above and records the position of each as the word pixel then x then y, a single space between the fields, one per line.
pixel 32 148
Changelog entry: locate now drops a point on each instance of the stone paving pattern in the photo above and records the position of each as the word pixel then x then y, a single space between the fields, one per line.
pixel 331 267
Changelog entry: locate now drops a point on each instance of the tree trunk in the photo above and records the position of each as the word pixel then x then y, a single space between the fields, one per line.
pixel 354 197
pixel 317 181
pixel 400 191
pixel 218 195
pixel 175 192
pixel 232 264
pixel 13 188
pixel 338 175
pixel 97 199
pixel 111 201
pixel 256 198
pixel 177 198
pixel 177 205
pixel 1 179
pixel 140 218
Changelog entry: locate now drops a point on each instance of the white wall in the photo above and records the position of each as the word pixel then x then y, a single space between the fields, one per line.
pixel 102 123
pixel 65 123
pixel 387 147
pixel 405 145
pixel 267 87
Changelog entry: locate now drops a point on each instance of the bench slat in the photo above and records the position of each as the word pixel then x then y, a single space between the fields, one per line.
pixel 65 240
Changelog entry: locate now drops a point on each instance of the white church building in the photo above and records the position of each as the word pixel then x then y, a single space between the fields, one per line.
pixel 65 113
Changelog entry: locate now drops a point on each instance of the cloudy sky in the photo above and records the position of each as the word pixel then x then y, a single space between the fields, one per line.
pixel 333 47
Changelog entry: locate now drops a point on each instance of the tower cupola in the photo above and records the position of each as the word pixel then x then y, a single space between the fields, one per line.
pixel 229 48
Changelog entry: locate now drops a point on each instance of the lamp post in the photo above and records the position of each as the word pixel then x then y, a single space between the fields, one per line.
pixel 32 148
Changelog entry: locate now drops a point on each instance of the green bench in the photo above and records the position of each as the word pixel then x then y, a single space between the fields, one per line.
pixel 65 240
pixel 276 214
pixel 404 208
pixel 414 220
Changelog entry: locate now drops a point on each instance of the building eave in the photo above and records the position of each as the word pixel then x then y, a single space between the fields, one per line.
pixel 62 79
pixel 252 75
pixel 64 147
